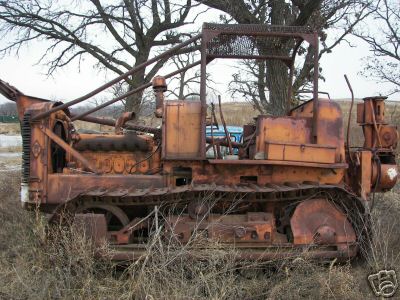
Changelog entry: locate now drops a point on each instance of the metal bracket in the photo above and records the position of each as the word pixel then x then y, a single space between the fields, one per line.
pixel 69 149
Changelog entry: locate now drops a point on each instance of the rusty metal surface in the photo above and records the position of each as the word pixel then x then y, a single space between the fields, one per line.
pixel 222 142
pixel 389 136
pixel 128 253
pixel 123 236
pixel 250 29
pixel 365 174
pixel 253 227
pixel 181 130
pixel 112 122
pixel 92 226
pixel 370 115
pixel 285 129
pixel 9 91
pixel 65 187
pixel 120 122
pixel 70 150
pixel 300 152
pixel 330 124
pixel 159 87
pixel 127 142
pixel 319 221
pixel 138 190
pixel 250 162
pixel 117 162
pixel 388 175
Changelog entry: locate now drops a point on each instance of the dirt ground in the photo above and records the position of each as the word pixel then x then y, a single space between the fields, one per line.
pixel 34 266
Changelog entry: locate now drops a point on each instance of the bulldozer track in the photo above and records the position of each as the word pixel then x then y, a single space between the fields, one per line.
pixel 287 194
pixel 250 193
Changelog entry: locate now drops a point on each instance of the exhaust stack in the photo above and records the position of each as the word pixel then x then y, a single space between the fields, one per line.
pixel 159 87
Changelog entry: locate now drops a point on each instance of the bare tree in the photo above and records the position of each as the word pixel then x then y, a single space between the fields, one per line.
pixel 182 86
pixel 265 84
pixel 112 111
pixel 249 82
pixel 8 109
pixel 117 34
pixel 186 84
pixel 384 41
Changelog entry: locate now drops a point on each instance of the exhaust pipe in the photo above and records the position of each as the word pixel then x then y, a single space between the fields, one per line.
pixel 159 88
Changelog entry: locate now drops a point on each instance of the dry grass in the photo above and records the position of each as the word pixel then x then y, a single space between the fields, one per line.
pixel 33 266
pixel 238 113
pixel 79 125
pixel 11 149
pixel 307 280
pixel 385 242
pixel 10 128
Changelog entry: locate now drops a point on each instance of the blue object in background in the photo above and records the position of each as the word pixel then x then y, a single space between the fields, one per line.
pixel 235 133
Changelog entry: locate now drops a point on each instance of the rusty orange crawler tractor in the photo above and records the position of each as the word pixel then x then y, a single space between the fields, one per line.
pixel 294 182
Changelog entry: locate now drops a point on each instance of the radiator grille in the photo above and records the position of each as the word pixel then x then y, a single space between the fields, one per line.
pixel 26 147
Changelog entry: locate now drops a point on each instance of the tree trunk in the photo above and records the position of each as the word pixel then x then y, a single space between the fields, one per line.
pixel 277 82
pixel 277 72
pixel 133 103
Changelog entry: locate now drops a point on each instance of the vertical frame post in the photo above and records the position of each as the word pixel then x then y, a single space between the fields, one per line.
pixel 203 95
pixel 315 91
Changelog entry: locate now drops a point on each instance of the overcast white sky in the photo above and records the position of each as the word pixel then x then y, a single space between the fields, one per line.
pixel 69 83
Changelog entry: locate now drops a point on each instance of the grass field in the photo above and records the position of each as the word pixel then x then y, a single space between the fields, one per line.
pixel 34 266
pixel 9 128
